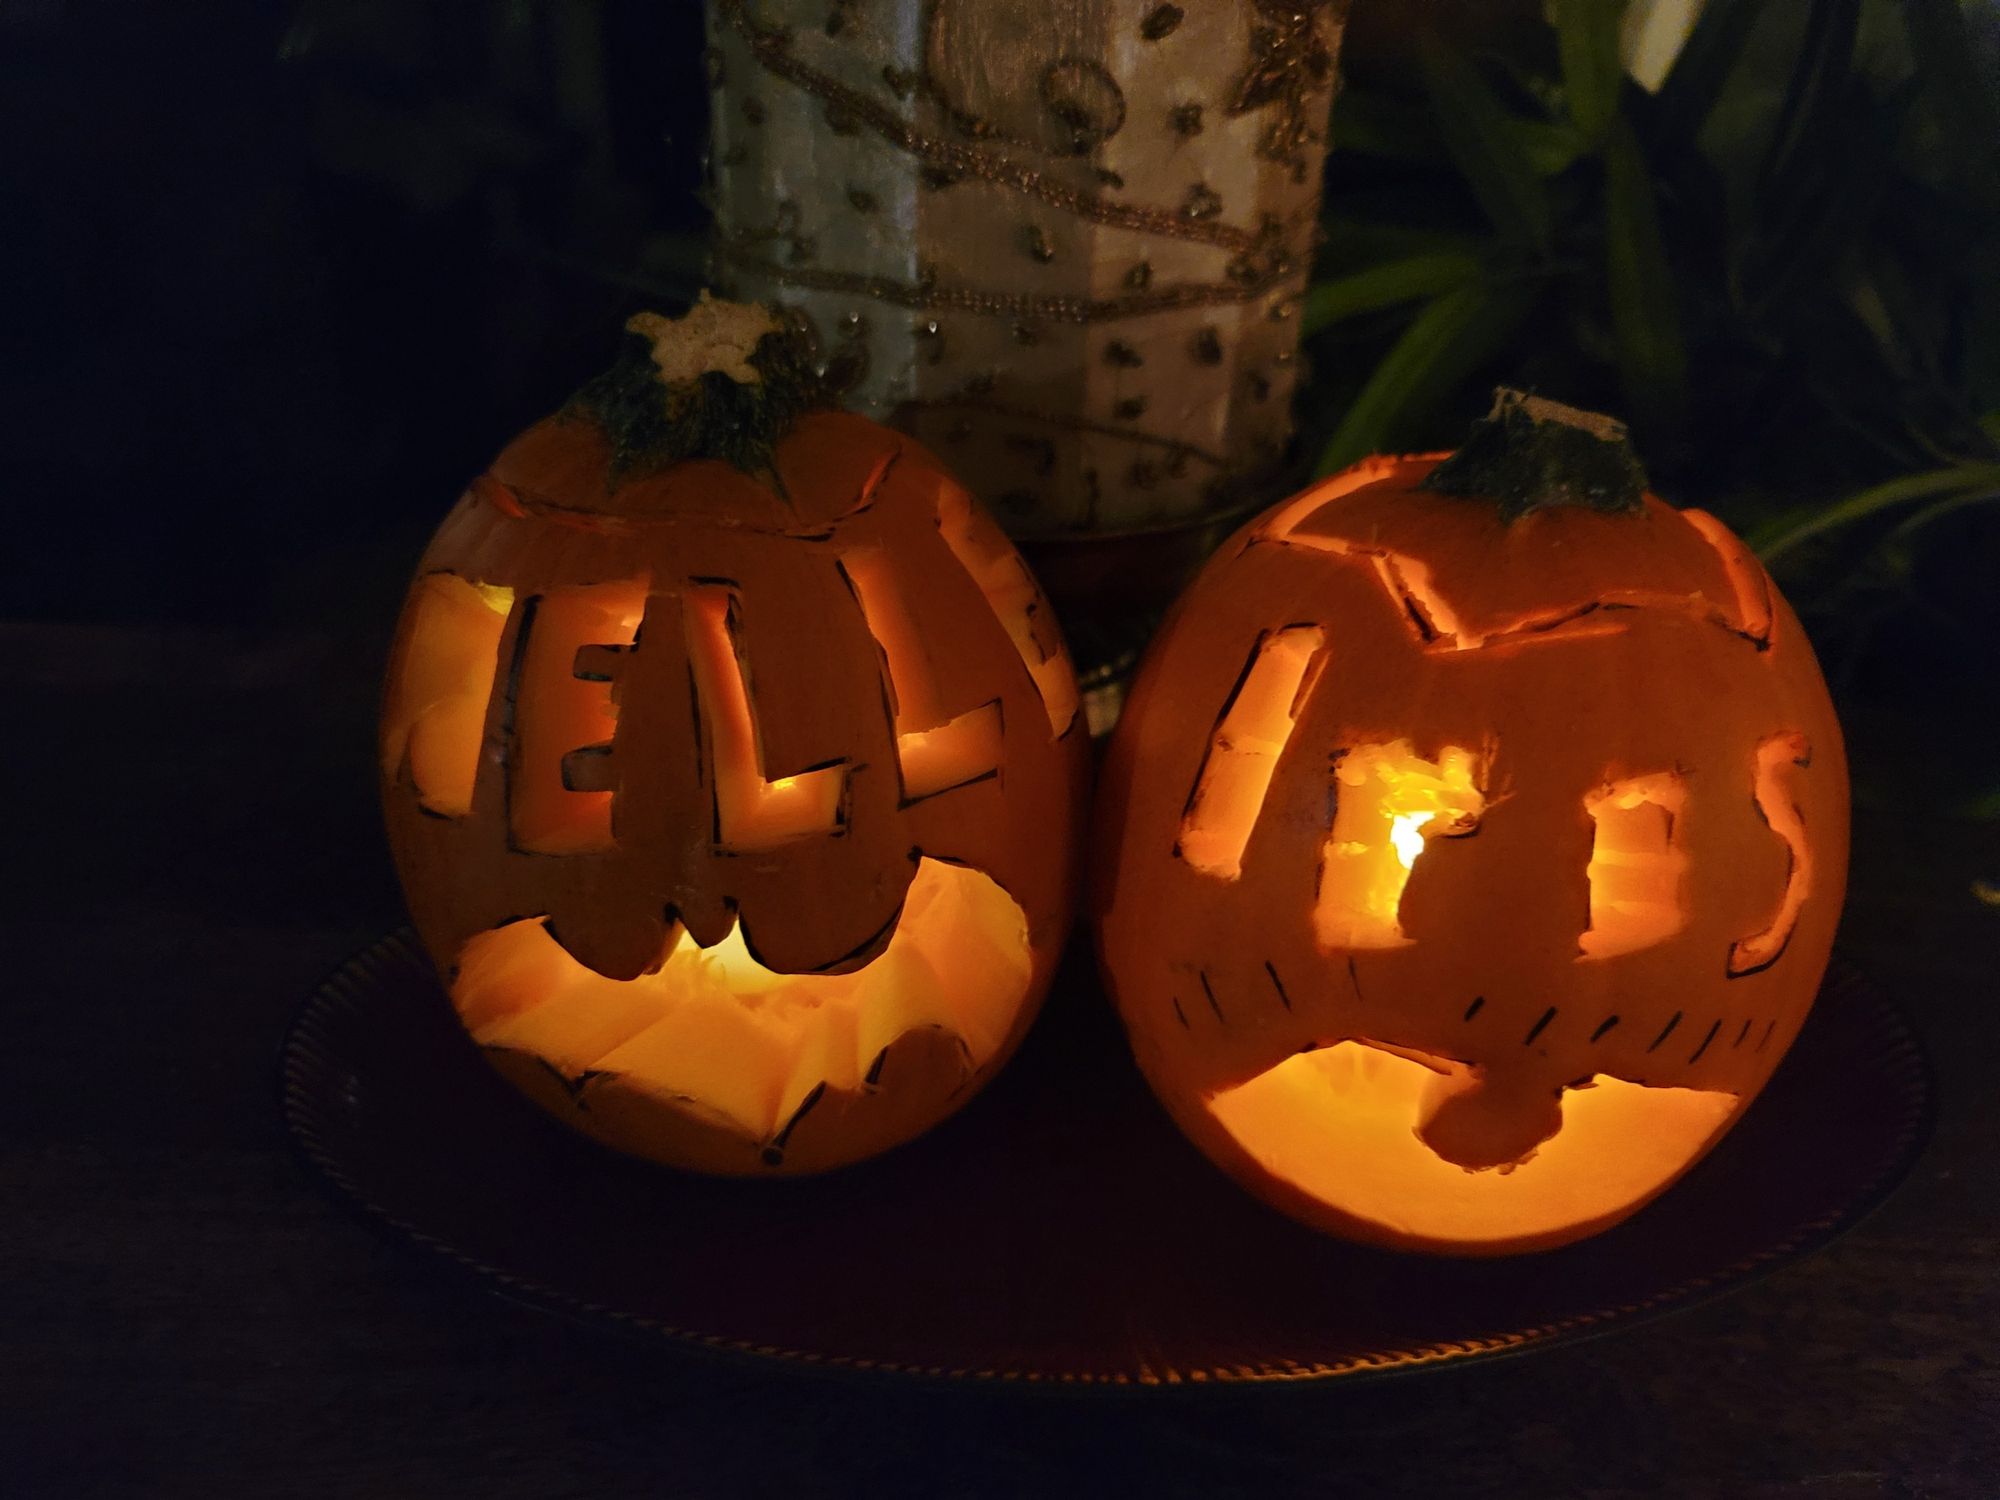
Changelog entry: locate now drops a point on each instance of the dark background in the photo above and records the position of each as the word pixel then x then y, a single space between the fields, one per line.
pixel 281 277
pixel 277 279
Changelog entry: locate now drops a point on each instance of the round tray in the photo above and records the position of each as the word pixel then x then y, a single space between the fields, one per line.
pixel 1058 1229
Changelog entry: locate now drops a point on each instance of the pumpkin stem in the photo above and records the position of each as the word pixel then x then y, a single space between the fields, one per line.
pixel 726 380
pixel 1531 454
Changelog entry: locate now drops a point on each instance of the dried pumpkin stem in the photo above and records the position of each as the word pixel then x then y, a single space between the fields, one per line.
pixel 726 380
pixel 1531 454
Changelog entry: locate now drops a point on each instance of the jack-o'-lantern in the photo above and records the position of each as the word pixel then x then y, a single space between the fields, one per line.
pixel 732 764
pixel 1472 844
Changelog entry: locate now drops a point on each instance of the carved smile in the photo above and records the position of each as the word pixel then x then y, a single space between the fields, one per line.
pixel 715 1027
pixel 1352 1125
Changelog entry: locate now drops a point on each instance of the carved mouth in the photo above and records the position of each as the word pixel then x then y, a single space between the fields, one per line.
pixel 1359 1127
pixel 715 1026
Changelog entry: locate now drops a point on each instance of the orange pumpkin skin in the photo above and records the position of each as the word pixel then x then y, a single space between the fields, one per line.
pixel 646 735
pixel 1458 1068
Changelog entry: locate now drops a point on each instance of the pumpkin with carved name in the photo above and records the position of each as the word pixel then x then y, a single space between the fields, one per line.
pixel 732 764
pixel 1472 843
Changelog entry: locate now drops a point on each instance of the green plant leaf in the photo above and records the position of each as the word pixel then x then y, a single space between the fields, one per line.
pixel 1587 41
pixel 1550 147
pixel 1824 208
pixel 1476 129
pixel 1385 285
pixel 1785 535
pixel 1645 311
pixel 1381 127
pixel 1370 123
pixel 1896 549
pixel 1819 82
pixel 1945 55
pixel 1707 61
pixel 1983 807
pixel 1827 141
pixel 1347 242
pixel 1448 340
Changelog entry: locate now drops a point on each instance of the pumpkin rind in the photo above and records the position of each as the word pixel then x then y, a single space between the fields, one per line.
pixel 1566 654
pixel 593 821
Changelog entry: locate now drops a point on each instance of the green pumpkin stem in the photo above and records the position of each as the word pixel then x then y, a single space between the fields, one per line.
pixel 1531 454
pixel 725 381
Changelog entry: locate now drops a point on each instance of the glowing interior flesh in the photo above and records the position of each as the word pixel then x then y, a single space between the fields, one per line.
pixel 983 550
pixel 557 712
pixel 1777 758
pixel 1390 801
pixel 751 812
pixel 1340 1124
pixel 935 752
pixel 965 749
pixel 1636 868
pixel 1235 777
pixel 436 714
pixel 716 1025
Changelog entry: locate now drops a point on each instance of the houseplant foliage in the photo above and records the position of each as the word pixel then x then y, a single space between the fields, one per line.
pixel 1471 846
pixel 1773 265
pixel 732 763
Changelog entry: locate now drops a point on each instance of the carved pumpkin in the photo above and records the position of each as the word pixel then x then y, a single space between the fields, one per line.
pixel 1472 843
pixel 732 764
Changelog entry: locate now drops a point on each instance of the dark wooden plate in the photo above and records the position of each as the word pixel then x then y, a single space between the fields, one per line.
pixel 1058 1230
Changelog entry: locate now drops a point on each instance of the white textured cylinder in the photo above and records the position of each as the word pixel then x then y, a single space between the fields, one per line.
pixel 1060 241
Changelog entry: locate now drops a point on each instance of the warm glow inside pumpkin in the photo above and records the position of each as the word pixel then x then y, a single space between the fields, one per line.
pixel 436 708
pixel 752 1045
pixel 736 800
pixel 1345 1124
pixel 1390 800
pixel 1468 856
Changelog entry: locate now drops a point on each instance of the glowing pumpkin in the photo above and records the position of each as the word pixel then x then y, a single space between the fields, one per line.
pixel 1472 844
pixel 732 764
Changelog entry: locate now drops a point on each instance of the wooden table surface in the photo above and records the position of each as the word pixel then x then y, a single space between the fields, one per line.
pixel 194 843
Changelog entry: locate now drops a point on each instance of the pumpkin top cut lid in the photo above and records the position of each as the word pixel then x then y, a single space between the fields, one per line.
pixel 1539 520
